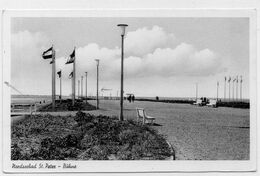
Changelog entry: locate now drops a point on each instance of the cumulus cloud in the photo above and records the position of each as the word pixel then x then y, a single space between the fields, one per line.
pixel 184 60
pixel 150 52
pixel 144 40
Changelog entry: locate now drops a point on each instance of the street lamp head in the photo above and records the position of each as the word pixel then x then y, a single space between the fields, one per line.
pixel 122 26
pixel 97 61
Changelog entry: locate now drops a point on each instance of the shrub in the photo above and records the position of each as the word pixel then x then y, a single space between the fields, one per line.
pixel 85 136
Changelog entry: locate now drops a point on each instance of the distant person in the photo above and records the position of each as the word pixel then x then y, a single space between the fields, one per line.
pixel 133 98
pixel 129 98
pixel 157 98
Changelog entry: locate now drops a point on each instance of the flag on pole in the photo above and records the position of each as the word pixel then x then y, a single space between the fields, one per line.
pixel 241 79
pixel 217 83
pixel 225 78
pixel 237 79
pixel 229 79
pixel 71 58
pixel 71 75
pixel 59 73
pixel 234 80
pixel 47 54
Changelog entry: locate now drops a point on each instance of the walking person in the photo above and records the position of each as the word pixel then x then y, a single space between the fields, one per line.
pixel 133 98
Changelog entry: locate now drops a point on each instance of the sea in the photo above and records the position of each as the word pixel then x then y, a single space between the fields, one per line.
pixel 28 99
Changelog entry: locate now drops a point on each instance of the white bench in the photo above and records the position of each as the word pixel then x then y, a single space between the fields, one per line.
pixel 212 103
pixel 198 102
pixel 141 114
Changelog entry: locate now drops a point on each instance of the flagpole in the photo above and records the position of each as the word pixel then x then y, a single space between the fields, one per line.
pixel 229 88
pixel 81 86
pixel 217 90
pixel 233 93
pixel 241 88
pixel 196 91
pixel 97 84
pixel 72 88
pixel 60 85
pixel 225 88
pixel 53 79
pixel 74 79
pixel 237 89
pixel 86 86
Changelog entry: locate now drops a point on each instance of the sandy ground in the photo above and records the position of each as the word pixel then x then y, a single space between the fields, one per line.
pixel 196 133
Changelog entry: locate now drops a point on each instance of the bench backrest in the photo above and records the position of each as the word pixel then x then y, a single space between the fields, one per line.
pixel 199 101
pixel 140 112
pixel 23 107
pixel 213 101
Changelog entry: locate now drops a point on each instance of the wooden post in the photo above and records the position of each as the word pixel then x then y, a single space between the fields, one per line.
pixel 86 86
pixel 53 79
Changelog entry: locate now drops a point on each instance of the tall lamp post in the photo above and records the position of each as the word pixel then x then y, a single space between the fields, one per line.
pixel 196 91
pixel 97 83
pixel 122 26
pixel 78 88
pixel 217 89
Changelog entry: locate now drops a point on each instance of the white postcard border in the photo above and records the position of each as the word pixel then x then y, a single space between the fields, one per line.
pixel 131 166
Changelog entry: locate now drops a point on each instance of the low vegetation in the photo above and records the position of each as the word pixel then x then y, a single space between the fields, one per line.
pixel 232 104
pixel 66 105
pixel 86 137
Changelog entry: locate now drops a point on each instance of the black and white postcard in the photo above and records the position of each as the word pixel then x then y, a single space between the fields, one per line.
pixel 129 91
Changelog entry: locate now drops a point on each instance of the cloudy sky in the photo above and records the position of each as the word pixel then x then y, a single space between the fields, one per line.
pixel 163 56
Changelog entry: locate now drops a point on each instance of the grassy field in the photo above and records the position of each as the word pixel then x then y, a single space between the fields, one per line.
pixel 197 133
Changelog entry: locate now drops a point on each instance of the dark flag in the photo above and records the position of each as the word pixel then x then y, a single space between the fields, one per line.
pixel 47 54
pixel 71 75
pixel 59 73
pixel 225 78
pixel 71 58
pixel 229 79
pixel 241 79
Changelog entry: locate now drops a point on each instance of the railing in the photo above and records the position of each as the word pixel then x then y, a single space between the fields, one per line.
pixel 23 109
